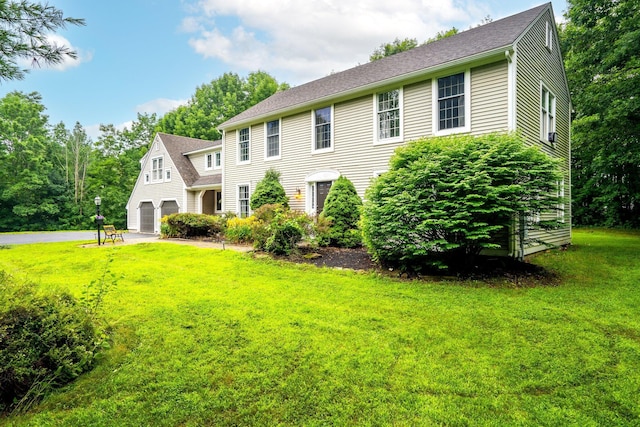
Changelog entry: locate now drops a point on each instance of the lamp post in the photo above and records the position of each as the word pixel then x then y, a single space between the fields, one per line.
pixel 97 201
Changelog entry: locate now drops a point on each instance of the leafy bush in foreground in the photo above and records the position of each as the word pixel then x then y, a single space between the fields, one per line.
pixel 46 341
pixel 444 200
pixel 278 230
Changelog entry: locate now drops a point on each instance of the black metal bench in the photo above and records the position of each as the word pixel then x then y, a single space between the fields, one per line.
pixel 110 232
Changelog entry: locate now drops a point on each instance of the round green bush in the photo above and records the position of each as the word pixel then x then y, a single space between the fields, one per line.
pixel 46 341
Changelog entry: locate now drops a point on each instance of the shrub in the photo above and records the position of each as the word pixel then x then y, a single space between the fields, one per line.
pixel 342 209
pixel 240 230
pixel 186 225
pixel 278 230
pixel 444 200
pixel 46 341
pixel 269 191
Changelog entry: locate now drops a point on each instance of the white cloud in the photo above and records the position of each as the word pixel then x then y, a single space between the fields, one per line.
pixel 67 62
pixel 306 40
pixel 160 106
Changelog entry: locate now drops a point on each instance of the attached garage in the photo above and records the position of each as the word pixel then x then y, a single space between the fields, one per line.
pixel 147 217
pixel 169 207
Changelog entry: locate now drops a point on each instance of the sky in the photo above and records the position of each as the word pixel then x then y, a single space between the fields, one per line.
pixel 149 56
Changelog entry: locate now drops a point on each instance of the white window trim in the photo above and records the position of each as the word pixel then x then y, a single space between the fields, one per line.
pixel 238 161
pixel 376 133
pixel 467 105
pixel 147 178
pixel 161 170
pixel 216 154
pixel 208 161
pixel 238 209
pixel 549 117
pixel 313 131
pixel 561 207
pixel 549 36
pixel 167 174
pixel 266 139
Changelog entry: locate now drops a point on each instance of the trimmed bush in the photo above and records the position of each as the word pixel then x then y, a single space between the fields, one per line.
pixel 444 200
pixel 269 191
pixel 278 230
pixel 342 209
pixel 46 341
pixel 187 225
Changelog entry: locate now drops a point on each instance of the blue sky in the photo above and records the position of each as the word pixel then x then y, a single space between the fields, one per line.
pixel 151 55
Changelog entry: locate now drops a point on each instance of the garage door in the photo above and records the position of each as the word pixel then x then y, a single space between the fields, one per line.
pixel 168 208
pixel 147 217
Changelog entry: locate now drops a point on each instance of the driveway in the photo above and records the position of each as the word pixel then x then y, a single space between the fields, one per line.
pixel 65 236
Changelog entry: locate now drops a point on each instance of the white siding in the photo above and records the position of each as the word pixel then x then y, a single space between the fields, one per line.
pixel 536 64
pixel 155 192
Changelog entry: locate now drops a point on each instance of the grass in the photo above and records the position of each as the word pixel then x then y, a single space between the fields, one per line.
pixel 206 337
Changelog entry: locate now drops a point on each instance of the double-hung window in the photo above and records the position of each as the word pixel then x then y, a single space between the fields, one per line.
pixel 322 132
pixel 208 162
pixel 452 105
pixel 217 160
pixel 243 201
pixel 244 146
pixel 273 140
pixel 156 169
pixel 547 115
pixel 388 115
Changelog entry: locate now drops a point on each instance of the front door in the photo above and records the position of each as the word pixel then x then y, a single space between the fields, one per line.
pixel 322 189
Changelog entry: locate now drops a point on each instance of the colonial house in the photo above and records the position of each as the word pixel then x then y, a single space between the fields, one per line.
pixel 178 174
pixel 507 75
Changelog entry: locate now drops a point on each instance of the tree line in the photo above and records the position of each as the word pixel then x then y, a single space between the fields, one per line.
pixel 50 174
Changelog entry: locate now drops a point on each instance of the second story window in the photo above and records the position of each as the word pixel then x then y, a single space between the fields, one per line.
pixel 217 163
pixel 451 102
pixel 156 169
pixel 243 146
pixel 388 111
pixel 322 129
pixel 547 115
pixel 208 163
pixel 273 139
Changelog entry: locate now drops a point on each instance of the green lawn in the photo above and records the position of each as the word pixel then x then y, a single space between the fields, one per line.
pixel 206 337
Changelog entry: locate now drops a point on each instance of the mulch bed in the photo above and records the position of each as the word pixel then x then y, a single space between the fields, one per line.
pixel 490 270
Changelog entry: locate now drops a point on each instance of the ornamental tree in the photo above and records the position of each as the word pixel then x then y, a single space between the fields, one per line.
pixel 342 209
pixel 446 199
pixel 269 191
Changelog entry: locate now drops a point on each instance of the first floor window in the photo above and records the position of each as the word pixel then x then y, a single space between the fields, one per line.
pixel 388 107
pixel 243 145
pixel 243 201
pixel 273 138
pixel 561 203
pixel 156 169
pixel 218 201
pixel 322 131
pixel 547 114
pixel 451 102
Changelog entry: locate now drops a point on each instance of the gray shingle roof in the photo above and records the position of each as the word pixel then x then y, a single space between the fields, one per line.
pixel 487 38
pixel 176 146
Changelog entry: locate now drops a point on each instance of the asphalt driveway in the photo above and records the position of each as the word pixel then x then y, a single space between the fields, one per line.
pixel 65 236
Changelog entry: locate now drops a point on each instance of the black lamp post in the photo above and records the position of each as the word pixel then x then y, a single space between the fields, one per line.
pixel 97 201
